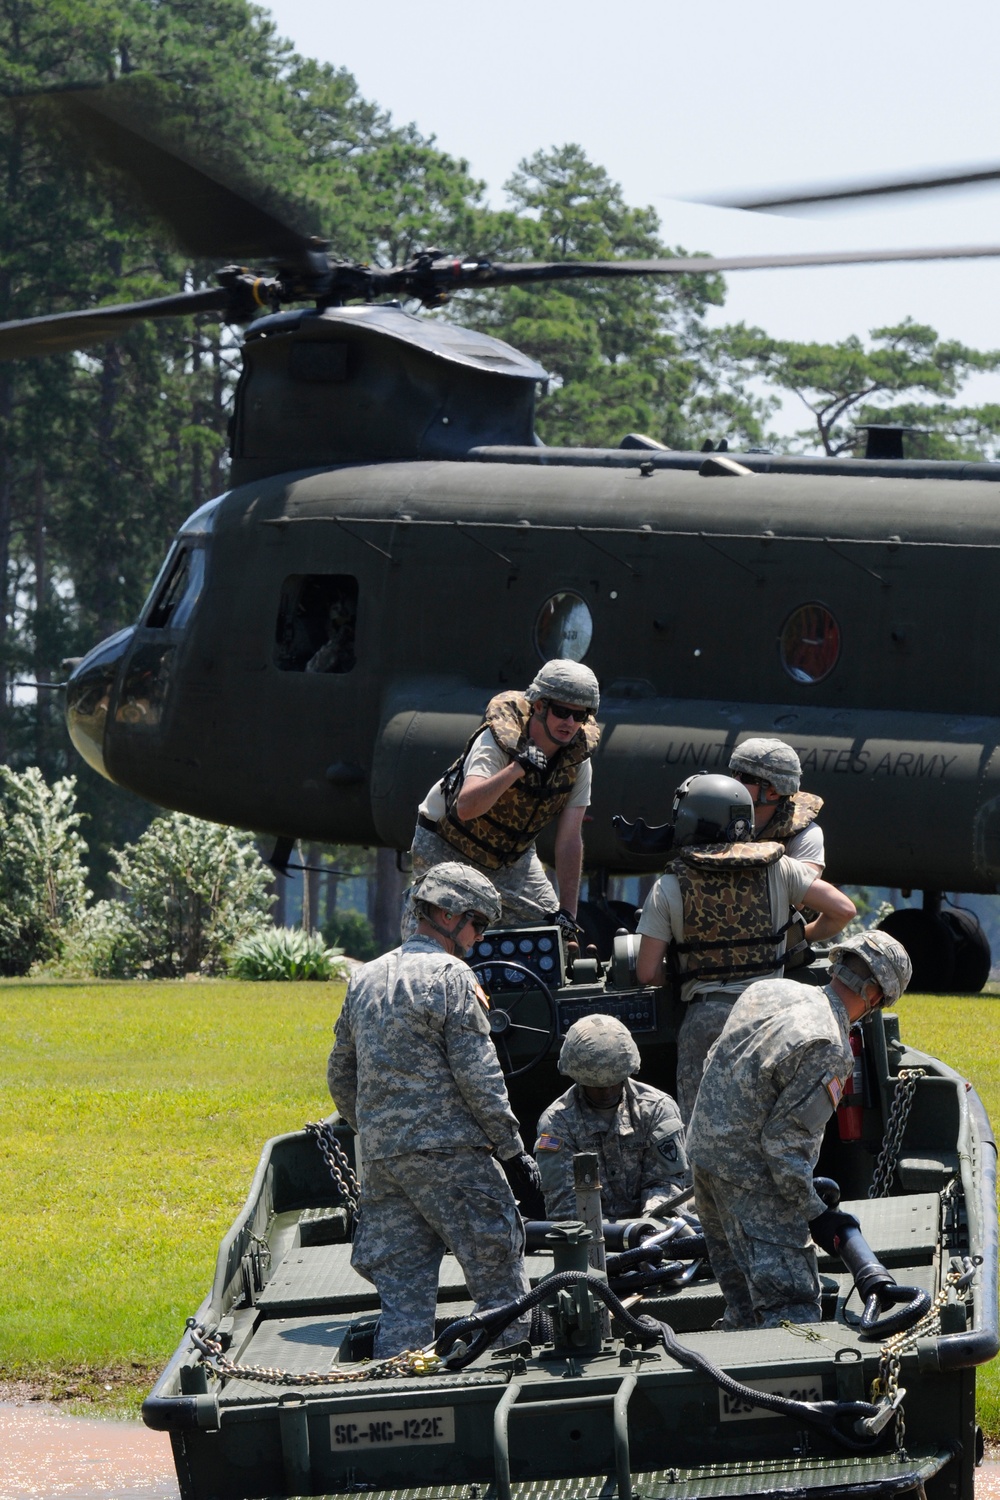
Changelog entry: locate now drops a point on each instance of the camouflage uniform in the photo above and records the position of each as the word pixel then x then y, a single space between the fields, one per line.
pixel 639 1145
pixel 528 894
pixel 708 1001
pixel 414 1071
pixel 771 1082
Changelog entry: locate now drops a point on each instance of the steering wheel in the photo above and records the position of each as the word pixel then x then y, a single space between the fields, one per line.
pixel 503 1027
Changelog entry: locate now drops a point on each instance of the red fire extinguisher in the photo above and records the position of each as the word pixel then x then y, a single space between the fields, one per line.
pixel 850 1111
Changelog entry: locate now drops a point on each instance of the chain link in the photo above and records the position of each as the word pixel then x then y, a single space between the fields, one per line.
pixel 341 1170
pixel 409 1362
pixel 899 1113
pixel 885 1386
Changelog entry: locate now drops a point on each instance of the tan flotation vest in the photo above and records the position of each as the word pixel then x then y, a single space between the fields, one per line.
pixel 499 837
pixel 794 813
pixel 728 926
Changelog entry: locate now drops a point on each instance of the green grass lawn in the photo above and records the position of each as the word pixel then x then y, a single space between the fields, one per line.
pixel 132 1117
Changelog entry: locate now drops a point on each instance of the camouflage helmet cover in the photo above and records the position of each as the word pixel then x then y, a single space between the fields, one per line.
pixel 567 682
pixel 885 956
pixel 772 760
pixel 455 887
pixel 598 1052
pixel 712 809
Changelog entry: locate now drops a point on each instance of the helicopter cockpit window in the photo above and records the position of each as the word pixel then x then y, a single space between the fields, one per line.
pixel 565 627
pixel 179 592
pixel 317 621
pixel 810 643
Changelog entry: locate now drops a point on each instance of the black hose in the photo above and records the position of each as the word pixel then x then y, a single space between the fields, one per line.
pixel 830 1416
pixel 692 1248
pixel 873 1326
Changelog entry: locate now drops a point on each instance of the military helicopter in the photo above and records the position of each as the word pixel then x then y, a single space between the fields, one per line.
pixel 397 546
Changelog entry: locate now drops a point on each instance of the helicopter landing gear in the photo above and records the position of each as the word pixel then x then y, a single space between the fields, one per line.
pixel 949 951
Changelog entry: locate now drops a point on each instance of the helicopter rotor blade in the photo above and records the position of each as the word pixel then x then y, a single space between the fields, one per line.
pixel 803 197
pixel 28 338
pixel 433 281
pixel 208 213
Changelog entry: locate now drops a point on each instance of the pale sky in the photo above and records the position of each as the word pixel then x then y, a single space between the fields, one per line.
pixel 678 101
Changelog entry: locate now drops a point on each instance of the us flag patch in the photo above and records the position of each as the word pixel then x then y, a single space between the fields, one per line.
pixel 548 1143
pixel 835 1089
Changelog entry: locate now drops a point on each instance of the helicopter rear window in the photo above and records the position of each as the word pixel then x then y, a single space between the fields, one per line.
pixel 317 621
pixel 810 643
pixel 179 592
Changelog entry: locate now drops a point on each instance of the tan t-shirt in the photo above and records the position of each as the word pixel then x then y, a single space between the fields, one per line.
pixel 663 918
pixel 486 759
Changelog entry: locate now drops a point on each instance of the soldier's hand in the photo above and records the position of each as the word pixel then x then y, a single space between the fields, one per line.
pixel 828 1229
pixel 571 929
pixel 523 1175
pixel 531 758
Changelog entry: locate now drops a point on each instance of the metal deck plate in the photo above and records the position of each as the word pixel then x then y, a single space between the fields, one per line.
pixel 886 1475
pixel 322 1276
pixel 901 1231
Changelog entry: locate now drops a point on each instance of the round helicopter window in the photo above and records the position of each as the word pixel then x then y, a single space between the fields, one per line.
pixel 565 627
pixel 810 643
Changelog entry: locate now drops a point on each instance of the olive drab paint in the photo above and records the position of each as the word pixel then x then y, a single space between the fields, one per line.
pixel 455 562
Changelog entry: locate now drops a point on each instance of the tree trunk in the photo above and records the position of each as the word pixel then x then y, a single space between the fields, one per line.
pixel 42 701
pixel 388 900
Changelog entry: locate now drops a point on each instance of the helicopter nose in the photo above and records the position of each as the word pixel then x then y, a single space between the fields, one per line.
pixel 88 696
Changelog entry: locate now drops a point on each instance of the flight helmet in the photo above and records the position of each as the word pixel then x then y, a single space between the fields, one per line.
pixel 712 809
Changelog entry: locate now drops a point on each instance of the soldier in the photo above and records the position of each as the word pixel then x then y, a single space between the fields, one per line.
pixel 527 764
pixel 635 1129
pixel 781 813
pixel 414 1071
pixel 717 918
pixel 772 1080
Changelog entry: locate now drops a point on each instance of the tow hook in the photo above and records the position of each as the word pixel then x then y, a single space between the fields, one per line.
pixel 872 1426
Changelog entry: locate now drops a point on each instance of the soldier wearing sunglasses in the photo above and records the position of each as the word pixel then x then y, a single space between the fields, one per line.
pixel 527 765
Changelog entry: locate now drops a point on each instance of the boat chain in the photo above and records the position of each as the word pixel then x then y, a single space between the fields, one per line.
pixel 899 1113
pixel 341 1170
pixel 885 1386
pixel 409 1362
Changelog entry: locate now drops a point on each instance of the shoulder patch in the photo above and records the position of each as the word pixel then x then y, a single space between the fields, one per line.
pixel 548 1143
pixel 834 1088
pixel 482 997
pixel 668 1148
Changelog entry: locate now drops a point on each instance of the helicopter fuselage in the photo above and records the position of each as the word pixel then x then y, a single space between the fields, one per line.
pixel 319 645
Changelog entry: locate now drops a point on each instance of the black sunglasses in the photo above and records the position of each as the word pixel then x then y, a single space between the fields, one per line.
pixel 563 711
pixel 747 778
pixel 479 923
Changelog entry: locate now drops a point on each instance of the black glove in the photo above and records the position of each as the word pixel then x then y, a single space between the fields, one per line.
pixel 827 1229
pixel 531 758
pixel 523 1175
pixel 571 929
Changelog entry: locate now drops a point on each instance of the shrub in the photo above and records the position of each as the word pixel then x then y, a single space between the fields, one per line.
pixel 286 953
pixel 191 891
pixel 353 933
pixel 43 888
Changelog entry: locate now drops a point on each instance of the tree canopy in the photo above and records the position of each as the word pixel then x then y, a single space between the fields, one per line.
pixel 103 453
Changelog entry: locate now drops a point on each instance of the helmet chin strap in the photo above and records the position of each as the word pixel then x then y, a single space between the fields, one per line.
pixel 456 947
pixel 857 983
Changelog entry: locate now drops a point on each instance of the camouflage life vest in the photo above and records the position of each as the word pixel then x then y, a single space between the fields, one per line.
pixel 499 837
pixel 794 813
pixel 727 912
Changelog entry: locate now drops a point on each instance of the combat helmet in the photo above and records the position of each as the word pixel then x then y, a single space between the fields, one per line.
pixel 885 957
pixel 712 809
pixel 567 682
pixel 598 1052
pixel 455 887
pixel 772 760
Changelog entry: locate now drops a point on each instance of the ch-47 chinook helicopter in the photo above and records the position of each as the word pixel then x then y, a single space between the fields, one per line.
pixel 397 546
